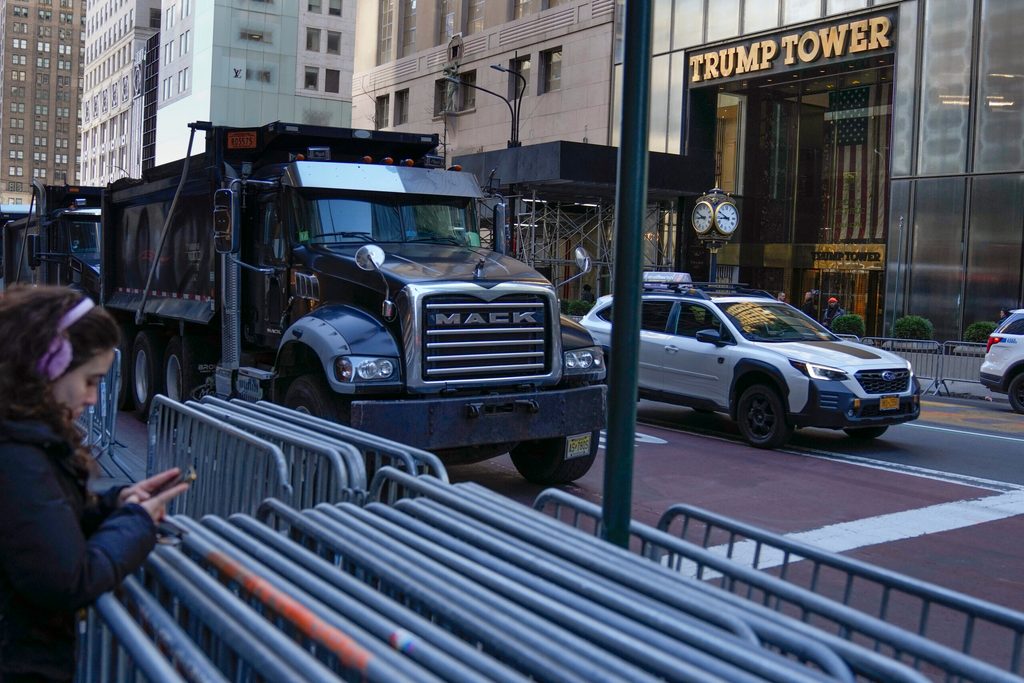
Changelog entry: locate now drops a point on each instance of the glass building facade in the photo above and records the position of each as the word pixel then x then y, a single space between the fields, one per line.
pixel 876 149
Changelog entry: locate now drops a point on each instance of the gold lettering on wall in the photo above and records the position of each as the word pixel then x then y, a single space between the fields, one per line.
pixel 862 35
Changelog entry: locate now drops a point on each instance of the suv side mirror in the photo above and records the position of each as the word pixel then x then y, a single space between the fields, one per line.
pixel 223 227
pixel 32 251
pixel 710 336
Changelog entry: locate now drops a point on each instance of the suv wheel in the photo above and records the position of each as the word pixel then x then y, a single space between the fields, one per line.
pixel 761 417
pixel 865 432
pixel 1016 393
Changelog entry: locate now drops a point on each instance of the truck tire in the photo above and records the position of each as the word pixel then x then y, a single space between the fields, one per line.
pixel 1015 392
pixel 543 462
pixel 310 394
pixel 865 433
pixel 125 395
pixel 183 366
pixel 147 380
pixel 762 418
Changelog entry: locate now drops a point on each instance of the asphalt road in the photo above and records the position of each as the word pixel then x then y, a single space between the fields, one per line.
pixel 969 437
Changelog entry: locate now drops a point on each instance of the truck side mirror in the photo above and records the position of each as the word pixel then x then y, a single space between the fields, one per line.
pixel 370 257
pixel 500 229
pixel 223 222
pixel 32 251
pixel 583 261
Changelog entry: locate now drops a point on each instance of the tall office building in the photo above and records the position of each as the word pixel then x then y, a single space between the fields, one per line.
pixel 116 32
pixel 251 62
pixel 406 50
pixel 41 57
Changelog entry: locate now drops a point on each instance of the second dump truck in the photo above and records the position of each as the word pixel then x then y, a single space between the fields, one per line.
pixel 341 273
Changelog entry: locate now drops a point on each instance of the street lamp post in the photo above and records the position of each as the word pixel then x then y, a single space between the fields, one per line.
pixel 514 140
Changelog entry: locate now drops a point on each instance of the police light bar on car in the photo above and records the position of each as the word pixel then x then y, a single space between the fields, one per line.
pixel 653 280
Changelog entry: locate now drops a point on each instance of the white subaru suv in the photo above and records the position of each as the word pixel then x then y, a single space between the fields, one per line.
pixel 721 348
pixel 1003 369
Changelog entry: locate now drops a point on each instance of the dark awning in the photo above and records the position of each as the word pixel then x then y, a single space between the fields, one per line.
pixel 577 171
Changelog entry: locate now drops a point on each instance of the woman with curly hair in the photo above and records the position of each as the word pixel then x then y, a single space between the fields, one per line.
pixel 61 546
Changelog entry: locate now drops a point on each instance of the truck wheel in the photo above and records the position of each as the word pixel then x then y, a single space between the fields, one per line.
pixel 147 381
pixel 183 361
pixel 1015 392
pixel 310 394
pixel 865 432
pixel 761 417
pixel 125 395
pixel 544 462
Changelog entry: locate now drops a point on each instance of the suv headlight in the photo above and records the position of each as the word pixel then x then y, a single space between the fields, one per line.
pixel 815 371
pixel 364 369
pixel 583 361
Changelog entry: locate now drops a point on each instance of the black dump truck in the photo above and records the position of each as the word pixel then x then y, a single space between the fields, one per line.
pixel 58 242
pixel 340 272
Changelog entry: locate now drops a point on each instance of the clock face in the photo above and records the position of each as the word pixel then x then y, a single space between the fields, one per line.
pixel 702 217
pixel 727 218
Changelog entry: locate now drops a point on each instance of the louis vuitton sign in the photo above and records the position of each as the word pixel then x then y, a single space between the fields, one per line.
pixel 830 43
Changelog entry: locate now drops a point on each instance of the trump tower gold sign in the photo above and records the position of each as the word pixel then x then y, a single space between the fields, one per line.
pixel 833 42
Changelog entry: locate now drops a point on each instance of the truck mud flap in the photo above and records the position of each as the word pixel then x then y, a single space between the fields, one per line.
pixel 436 424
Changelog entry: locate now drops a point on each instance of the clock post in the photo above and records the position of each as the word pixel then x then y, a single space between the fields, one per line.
pixel 715 219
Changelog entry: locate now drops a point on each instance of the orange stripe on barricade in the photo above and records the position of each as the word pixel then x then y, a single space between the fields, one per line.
pixel 348 651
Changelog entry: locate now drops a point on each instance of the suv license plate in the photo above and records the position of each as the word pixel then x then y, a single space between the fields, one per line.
pixel 577 446
pixel 889 403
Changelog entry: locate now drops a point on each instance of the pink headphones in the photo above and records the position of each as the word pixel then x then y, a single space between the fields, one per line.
pixel 57 358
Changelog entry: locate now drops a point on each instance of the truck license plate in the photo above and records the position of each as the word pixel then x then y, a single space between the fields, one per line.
pixel 889 403
pixel 577 446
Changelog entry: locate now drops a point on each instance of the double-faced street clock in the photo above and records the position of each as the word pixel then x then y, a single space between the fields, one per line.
pixel 715 219
pixel 715 215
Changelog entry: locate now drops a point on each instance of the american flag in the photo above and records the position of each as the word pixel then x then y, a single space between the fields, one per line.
pixel 857 204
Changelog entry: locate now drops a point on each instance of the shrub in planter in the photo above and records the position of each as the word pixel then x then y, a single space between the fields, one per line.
pixel 579 307
pixel 913 327
pixel 979 331
pixel 849 323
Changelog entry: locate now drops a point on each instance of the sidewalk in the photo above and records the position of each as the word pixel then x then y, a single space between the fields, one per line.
pixel 973 391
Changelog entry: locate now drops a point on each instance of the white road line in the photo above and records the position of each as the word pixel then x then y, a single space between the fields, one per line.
pixel 966 432
pixel 896 526
pixel 912 470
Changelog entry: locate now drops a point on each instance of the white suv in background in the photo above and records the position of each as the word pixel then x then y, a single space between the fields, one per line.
pixel 770 367
pixel 1003 369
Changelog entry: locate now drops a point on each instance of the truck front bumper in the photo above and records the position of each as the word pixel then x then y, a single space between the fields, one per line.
pixel 447 423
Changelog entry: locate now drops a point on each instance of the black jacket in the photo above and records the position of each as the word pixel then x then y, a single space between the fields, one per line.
pixel 57 553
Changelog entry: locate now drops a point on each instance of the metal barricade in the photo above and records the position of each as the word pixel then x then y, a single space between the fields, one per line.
pixel 961 362
pixel 113 647
pixel 956 619
pixel 924 356
pixel 317 470
pixel 235 470
pixel 836 622
pixel 98 422
pixel 378 452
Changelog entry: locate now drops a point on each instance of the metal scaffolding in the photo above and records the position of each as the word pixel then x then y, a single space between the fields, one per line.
pixel 545 232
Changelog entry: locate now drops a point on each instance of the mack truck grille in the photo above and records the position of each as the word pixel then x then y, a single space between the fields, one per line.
pixel 470 339
pixel 884 381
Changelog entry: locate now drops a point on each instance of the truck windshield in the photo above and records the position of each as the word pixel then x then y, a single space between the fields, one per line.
pixel 339 220
pixel 770 322
pixel 83 237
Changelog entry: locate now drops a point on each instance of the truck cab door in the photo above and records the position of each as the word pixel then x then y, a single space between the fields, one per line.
pixel 272 252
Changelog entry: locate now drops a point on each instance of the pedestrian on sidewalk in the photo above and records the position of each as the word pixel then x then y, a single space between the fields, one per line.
pixel 808 307
pixel 832 311
pixel 61 546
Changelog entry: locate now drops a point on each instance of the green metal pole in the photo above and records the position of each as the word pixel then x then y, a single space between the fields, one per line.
pixel 630 202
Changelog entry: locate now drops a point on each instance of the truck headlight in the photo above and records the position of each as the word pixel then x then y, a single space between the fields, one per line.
pixel 364 369
pixel 815 371
pixel 583 361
